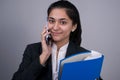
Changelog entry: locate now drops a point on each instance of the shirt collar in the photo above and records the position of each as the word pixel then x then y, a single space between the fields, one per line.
pixel 63 48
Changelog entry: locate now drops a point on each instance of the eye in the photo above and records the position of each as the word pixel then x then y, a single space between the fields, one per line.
pixel 51 21
pixel 63 22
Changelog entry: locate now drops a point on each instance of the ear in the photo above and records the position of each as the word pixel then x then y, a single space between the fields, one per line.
pixel 74 28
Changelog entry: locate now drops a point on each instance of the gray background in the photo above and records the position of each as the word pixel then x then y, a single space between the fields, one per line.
pixel 21 23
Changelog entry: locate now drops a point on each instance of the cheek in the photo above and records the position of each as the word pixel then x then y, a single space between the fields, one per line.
pixel 50 27
pixel 67 31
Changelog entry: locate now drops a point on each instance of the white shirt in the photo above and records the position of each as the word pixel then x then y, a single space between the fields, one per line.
pixel 56 60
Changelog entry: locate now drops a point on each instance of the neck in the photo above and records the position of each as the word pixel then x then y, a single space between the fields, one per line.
pixel 61 43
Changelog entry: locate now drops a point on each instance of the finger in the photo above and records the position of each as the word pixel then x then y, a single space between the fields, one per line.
pixel 44 34
pixel 44 30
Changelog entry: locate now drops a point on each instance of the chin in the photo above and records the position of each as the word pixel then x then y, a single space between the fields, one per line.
pixel 56 39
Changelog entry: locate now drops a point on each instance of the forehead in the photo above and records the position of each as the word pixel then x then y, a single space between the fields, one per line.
pixel 58 13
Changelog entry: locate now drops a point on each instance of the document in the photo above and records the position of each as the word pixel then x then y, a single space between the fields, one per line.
pixel 81 66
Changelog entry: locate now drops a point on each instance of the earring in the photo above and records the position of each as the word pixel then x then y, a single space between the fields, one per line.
pixel 73 30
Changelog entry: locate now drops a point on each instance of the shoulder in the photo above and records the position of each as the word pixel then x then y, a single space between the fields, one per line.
pixel 74 49
pixel 77 48
pixel 82 49
pixel 36 47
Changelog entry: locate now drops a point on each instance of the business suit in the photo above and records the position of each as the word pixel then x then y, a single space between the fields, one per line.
pixel 31 69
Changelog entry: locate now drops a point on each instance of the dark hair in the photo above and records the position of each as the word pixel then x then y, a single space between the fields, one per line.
pixel 73 14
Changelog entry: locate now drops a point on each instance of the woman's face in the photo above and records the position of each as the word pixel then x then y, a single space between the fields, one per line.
pixel 60 25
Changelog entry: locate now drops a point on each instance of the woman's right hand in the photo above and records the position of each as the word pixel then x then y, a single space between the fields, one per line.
pixel 46 49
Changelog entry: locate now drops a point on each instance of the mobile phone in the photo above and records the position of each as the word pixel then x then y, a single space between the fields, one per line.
pixel 48 37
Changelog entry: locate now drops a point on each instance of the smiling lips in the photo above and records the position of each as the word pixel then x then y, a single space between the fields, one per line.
pixel 56 33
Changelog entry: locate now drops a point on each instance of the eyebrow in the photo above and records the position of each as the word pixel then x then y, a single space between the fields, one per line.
pixel 58 19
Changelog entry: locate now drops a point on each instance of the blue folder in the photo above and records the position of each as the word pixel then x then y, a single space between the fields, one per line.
pixel 82 70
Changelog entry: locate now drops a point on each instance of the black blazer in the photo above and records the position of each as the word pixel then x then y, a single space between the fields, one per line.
pixel 31 69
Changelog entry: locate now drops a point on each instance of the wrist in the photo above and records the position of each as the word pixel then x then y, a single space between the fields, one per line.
pixel 43 59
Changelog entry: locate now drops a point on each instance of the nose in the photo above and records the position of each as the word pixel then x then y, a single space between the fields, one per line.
pixel 56 26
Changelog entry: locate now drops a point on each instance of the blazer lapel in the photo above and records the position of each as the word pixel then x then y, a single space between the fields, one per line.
pixel 73 49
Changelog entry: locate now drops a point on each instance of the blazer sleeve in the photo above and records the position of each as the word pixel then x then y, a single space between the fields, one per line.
pixel 29 68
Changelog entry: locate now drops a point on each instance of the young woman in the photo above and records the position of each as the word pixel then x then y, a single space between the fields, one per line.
pixel 40 60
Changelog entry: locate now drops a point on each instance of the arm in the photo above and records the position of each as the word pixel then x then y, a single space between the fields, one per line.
pixel 30 68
